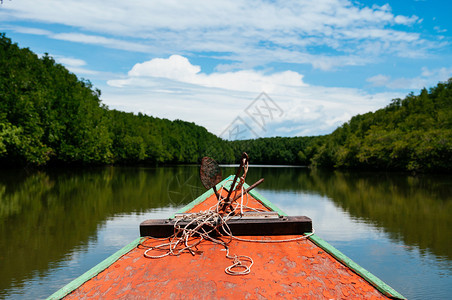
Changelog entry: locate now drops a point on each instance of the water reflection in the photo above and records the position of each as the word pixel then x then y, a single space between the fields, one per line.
pixel 54 216
pixel 416 210
pixel 44 216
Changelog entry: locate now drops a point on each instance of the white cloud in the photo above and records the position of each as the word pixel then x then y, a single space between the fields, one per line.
pixel 102 41
pixel 252 32
pixel 439 30
pixel 428 77
pixel 379 80
pixel 176 89
pixel 178 68
pixel 405 20
pixel 241 35
pixel 70 61
pixel 175 67
pixel 75 65
pixel 29 30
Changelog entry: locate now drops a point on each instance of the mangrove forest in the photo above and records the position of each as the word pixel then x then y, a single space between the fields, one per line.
pixel 48 116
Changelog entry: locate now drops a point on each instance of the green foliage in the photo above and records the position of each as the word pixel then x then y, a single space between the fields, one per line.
pixel 49 116
pixel 277 150
pixel 19 147
pixel 413 134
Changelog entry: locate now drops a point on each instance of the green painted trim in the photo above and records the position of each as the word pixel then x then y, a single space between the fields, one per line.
pixel 369 277
pixel 201 198
pixel 265 202
pixel 74 284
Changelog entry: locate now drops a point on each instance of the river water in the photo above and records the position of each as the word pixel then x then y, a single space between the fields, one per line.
pixel 57 224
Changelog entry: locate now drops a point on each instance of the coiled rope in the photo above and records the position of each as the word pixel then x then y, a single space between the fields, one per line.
pixel 188 237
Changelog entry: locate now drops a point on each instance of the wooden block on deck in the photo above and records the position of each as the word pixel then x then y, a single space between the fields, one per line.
pixel 258 227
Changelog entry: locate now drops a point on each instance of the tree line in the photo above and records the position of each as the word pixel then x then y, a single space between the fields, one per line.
pixel 48 116
pixel 410 134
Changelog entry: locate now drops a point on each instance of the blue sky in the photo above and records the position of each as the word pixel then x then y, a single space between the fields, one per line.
pixel 264 68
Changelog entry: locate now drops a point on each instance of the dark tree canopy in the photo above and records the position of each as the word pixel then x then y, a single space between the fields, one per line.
pixel 411 134
pixel 49 116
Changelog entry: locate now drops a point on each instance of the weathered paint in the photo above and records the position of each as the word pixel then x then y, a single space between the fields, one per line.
pixel 284 270
pixel 371 278
pixel 297 269
pixel 95 270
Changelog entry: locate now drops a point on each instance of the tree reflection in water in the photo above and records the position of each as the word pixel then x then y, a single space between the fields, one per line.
pixel 47 215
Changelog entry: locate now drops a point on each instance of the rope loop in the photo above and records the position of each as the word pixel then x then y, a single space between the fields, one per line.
pixel 239 263
pixel 187 238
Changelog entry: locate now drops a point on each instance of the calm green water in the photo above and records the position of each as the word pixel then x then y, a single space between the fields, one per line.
pixel 57 224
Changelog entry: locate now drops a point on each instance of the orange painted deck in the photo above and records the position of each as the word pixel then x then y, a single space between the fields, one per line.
pixel 296 270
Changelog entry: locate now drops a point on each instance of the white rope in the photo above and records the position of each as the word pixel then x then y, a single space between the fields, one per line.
pixel 180 241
